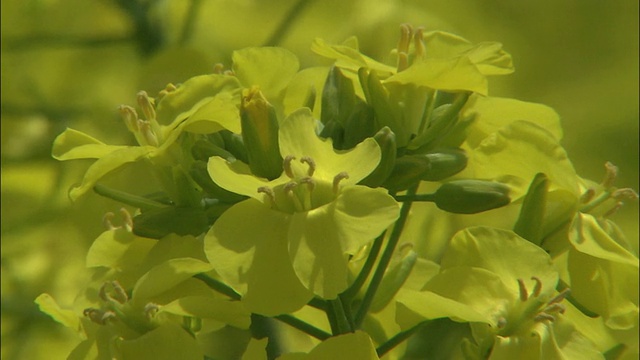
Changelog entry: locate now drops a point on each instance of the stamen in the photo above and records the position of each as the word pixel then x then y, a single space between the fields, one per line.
pixel 286 165
pixel 218 68
pixel 106 221
pixel 130 117
pixel 403 46
pixel 311 184
pixel 555 308
pixel 288 189
pixel 167 89
pixel 558 298
pixel 418 40
pixel 108 315
pixel 270 194
pixel 611 175
pixel 336 181
pixel 625 194
pixel 151 309
pixel 523 291
pixel 587 196
pixel 613 210
pixel 543 317
pixel 149 135
pixel 126 217
pixel 537 288
pixel 97 315
pixel 146 104
pixel 120 294
pixel 312 164
pixel 502 322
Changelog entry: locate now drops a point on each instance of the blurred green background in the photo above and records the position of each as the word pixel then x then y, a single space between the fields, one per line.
pixel 70 63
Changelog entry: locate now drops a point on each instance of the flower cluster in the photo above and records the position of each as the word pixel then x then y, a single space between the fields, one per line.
pixel 362 204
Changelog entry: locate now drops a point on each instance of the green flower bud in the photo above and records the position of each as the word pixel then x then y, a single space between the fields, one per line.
pixel 359 126
pixel 334 131
pixel 158 223
pixel 338 97
pixel 260 134
pixel 471 196
pixel 233 143
pixel 530 221
pixel 386 139
pixel 407 171
pixel 444 163
pixel 386 114
pixel 443 119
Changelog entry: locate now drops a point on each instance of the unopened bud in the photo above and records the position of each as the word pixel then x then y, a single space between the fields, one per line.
pixel 260 134
pixel 338 97
pixel 359 126
pixel 471 196
pixel 407 171
pixel 444 163
pixel 386 140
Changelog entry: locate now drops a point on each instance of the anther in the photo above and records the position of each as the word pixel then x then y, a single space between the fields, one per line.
pixel 587 196
pixel 537 288
pixel 120 295
pixel 336 181
pixel 106 221
pixel 625 194
pixel 613 210
pixel 610 176
pixel 151 309
pixel 418 40
pixel 544 317
pixel 502 322
pixel 555 308
pixel 126 217
pixel 312 164
pixel 269 192
pixel 94 315
pixel 146 104
pixel 130 117
pixel 403 46
pixel 145 130
pixel 286 165
pixel 558 298
pixel 108 315
pixel 167 89
pixel 218 68
pixel 523 290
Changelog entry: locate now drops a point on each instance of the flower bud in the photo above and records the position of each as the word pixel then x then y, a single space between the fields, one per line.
pixel 471 196
pixel 386 139
pixel 233 143
pixel 407 171
pixel 334 131
pixel 203 150
pixel 444 163
pixel 531 219
pixel 200 175
pixel 359 126
pixel 338 97
pixel 443 120
pixel 260 134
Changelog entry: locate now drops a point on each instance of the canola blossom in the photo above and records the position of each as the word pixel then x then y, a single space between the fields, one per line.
pixel 357 210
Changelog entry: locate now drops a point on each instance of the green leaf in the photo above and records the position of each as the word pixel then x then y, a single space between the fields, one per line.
pixel 68 318
pixel 168 341
pixel 167 275
pixel 270 68
pixel 73 144
pixel 229 312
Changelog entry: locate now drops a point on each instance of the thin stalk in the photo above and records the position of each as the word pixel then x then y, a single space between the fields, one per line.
pixel 318 303
pixel 218 286
pixel 304 327
pixel 595 202
pixel 342 325
pixel 189 21
pixel 366 269
pixel 385 259
pixel 397 339
pixel 126 198
pixel 286 23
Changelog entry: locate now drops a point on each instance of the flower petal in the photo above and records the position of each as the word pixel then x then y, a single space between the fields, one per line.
pixel 321 240
pixel 73 144
pixel 271 68
pixel 237 178
pixel 298 137
pixel 254 259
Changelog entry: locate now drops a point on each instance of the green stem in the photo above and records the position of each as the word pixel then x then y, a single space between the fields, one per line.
pixel 397 339
pixel 318 303
pixel 341 323
pixel 304 327
pixel 189 21
pixel 218 286
pixel 126 198
pixel 286 23
pixel 386 258
pixel 348 294
pixel 412 198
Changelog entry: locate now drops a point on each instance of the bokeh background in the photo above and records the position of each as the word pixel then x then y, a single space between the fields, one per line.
pixel 70 63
